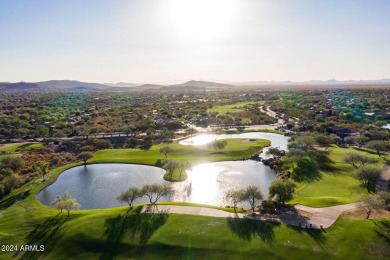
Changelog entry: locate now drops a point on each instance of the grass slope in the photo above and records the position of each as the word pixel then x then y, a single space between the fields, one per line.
pixel 336 185
pixel 21 146
pixel 237 107
pixel 116 233
pixel 235 149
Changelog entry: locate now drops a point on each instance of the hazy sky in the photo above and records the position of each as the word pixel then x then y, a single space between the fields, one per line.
pixel 163 40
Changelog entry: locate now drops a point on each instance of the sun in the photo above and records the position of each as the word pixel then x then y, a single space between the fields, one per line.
pixel 200 20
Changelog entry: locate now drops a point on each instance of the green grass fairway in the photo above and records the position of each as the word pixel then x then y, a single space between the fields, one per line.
pixel 111 233
pixel 21 146
pixel 237 107
pixel 115 233
pixel 230 131
pixel 235 149
pixel 337 186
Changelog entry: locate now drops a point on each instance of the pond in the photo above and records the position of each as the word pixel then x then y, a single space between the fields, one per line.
pixel 98 185
pixel 208 183
pixel 279 141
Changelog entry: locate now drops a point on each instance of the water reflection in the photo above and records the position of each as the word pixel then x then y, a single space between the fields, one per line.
pixel 209 182
pixel 98 185
pixel 279 141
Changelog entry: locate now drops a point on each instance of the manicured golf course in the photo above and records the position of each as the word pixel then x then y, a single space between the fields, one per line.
pixel 14 147
pixel 116 233
pixel 121 234
pixel 336 185
pixel 224 109
pixel 235 149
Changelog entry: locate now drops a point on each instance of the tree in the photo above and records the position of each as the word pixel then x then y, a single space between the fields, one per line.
pixel 252 194
pixel 359 140
pixel 358 160
pixel 70 204
pixel 147 142
pixel 12 162
pixel 183 167
pixel 8 180
pixel 103 144
pixel 384 198
pixel 7 183
pixel 275 152
pixel 234 197
pixel 282 189
pixel 42 168
pixel 166 135
pixel 370 204
pixel 302 142
pixel 368 176
pixel 84 156
pixel 165 150
pixel 379 146
pixel 294 155
pixel 84 131
pixel 41 131
pixel 129 196
pixel 170 165
pixel 191 131
pixel 156 191
pixel 65 202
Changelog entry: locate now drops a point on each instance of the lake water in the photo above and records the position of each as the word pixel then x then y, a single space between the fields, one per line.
pixel 98 185
pixel 208 183
pixel 279 141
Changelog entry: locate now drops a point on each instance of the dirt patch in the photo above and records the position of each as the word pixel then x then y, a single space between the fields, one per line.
pixel 360 213
pixel 305 214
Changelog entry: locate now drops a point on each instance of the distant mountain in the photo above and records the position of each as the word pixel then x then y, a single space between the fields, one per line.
pixel 122 85
pixel 18 86
pixel 202 84
pixel 70 84
pixel 150 86
pixel 331 82
pixel 193 84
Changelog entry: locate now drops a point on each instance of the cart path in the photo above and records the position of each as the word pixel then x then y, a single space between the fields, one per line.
pixel 326 216
pixel 317 216
pixel 381 184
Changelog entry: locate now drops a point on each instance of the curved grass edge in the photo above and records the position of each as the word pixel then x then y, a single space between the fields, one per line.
pixel 199 156
pixel 230 210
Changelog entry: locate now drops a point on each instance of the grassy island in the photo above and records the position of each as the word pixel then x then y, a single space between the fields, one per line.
pixel 232 149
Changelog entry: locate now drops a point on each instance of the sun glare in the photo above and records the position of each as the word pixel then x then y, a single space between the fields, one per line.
pixel 201 20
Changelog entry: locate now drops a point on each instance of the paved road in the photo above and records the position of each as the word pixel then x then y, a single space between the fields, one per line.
pixel 318 217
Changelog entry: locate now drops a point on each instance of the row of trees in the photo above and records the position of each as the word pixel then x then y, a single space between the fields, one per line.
pixel 281 190
pixel 368 175
pixel 154 192
pixel 65 202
